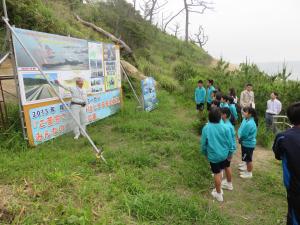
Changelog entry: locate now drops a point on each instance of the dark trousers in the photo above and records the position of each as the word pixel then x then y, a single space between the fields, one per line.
pixel 208 106
pixel 269 122
pixel 293 217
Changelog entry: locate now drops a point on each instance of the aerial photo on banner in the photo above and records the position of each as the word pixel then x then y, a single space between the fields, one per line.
pixel 52 52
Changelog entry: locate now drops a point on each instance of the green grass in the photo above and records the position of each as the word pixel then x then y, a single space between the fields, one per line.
pixel 154 175
pixel 260 200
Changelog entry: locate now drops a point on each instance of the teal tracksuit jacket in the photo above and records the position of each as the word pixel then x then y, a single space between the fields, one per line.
pixel 224 105
pixel 228 124
pixel 233 111
pixel 210 90
pixel 216 142
pixel 247 133
pixel 200 94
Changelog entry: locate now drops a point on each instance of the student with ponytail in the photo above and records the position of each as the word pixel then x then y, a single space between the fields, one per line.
pixel 247 138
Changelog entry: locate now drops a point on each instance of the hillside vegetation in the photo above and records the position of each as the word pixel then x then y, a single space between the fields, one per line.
pixel 155 174
pixel 175 64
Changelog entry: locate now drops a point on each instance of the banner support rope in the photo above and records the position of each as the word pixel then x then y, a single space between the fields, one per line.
pixel 131 86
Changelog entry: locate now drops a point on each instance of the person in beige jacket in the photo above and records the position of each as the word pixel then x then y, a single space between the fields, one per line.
pixel 247 97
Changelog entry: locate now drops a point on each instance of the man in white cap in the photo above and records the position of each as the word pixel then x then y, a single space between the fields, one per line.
pixel 78 105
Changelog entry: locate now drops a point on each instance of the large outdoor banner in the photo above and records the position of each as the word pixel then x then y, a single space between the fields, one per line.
pixel 64 59
pixel 149 94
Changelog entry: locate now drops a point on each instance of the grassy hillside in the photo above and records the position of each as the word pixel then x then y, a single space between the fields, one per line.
pixel 156 53
pixel 175 64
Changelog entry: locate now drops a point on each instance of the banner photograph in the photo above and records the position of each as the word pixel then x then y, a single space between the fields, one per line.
pixel 96 67
pixel 149 94
pixel 64 60
pixel 52 52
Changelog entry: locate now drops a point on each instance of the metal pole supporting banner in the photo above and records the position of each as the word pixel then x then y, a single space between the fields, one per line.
pixel 131 86
pixel 9 40
pixel 4 9
pixel 21 112
pixel 98 151
pixel 7 30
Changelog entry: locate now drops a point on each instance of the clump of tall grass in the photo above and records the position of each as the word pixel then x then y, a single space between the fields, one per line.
pixel 11 137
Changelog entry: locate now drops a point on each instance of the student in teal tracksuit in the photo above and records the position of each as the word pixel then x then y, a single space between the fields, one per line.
pixel 200 94
pixel 224 101
pixel 225 112
pixel 210 90
pixel 247 138
pixel 216 145
pixel 233 111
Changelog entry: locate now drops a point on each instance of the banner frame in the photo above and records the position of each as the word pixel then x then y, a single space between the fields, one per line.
pixel 95 148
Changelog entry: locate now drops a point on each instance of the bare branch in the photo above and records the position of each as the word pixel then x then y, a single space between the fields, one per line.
pixel 145 8
pixel 172 18
pixel 150 8
pixel 176 30
pixel 194 6
pixel 163 20
pixel 161 6
pixel 200 37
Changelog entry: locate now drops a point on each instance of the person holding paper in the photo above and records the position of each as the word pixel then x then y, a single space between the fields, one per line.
pixel 78 105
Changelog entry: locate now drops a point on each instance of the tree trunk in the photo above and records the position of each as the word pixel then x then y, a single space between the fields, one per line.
pixel 134 4
pixel 151 17
pixel 152 9
pixel 107 34
pixel 186 21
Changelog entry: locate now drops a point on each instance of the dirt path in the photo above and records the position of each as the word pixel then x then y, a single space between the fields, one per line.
pixel 250 202
pixel 263 158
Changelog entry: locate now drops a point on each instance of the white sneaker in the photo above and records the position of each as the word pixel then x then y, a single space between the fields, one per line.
pixel 218 196
pixel 76 137
pixel 243 168
pixel 246 175
pixel 242 164
pixel 226 185
pixel 215 190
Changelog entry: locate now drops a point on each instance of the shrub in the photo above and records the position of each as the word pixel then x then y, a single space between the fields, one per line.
pixel 184 71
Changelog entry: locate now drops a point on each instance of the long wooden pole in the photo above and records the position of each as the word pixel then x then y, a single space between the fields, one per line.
pixel 107 34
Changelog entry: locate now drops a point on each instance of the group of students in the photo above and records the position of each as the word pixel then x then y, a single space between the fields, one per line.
pixel 218 141
pixel 214 98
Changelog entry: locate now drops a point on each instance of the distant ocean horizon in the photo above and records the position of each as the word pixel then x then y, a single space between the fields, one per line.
pixel 272 68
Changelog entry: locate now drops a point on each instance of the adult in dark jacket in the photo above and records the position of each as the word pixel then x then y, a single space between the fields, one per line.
pixel 287 149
